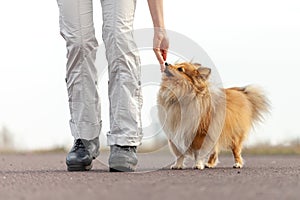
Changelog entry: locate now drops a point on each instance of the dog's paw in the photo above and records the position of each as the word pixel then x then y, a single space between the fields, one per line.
pixel 210 166
pixel 199 166
pixel 177 167
pixel 237 165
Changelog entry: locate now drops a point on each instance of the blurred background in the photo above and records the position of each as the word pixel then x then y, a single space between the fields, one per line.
pixel 249 42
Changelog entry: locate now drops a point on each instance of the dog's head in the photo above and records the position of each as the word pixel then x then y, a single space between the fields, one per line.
pixel 191 75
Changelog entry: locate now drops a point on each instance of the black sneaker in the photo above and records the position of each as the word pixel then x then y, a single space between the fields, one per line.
pixel 122 158
pixel 82 154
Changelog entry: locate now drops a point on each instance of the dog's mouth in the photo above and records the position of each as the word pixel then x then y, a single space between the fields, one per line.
pixel 168 73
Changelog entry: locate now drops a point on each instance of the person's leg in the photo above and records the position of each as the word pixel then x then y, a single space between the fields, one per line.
pixel 124 76
pixel 77 28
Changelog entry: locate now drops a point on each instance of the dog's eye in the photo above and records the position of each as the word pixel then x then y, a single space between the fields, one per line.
pixel 180 69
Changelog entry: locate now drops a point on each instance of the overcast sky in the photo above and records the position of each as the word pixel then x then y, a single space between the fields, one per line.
pixel 255 41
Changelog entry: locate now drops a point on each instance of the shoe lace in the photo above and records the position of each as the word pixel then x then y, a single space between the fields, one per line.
pixel 78 144
pixel 128 148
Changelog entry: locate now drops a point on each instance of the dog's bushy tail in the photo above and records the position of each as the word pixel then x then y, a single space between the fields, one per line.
pixel 259 102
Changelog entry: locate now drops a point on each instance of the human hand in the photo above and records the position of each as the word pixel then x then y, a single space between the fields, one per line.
pixel 160 46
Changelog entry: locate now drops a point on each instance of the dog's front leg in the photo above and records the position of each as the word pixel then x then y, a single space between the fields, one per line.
pixel 179 163
pixel 199 161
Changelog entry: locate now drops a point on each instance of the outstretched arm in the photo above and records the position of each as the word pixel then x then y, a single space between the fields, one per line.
pixel 160 40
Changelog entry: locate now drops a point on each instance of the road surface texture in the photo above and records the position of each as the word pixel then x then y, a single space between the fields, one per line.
pixel 44 176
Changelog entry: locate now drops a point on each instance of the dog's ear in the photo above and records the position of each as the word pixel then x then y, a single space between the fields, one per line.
pixel 197 65
pixel 204 72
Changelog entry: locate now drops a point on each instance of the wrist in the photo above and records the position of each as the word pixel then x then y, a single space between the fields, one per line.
pixel 159 30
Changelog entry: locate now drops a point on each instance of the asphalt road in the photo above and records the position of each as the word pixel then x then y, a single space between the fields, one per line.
pixel 44 176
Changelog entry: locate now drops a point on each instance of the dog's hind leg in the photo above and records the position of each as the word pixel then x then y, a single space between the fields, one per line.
pixel 179 163
pixel 237 150
pixel 213 158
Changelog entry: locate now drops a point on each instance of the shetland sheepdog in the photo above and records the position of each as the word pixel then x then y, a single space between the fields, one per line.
pixel 200 120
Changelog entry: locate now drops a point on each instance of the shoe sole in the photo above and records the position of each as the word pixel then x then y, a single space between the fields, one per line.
pixel 74 168
pixel 81 167
pixel 120 169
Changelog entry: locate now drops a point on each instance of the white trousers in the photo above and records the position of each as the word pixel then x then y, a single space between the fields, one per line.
pixel 77 28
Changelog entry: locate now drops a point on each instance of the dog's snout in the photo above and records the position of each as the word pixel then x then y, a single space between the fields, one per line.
pixel 166 67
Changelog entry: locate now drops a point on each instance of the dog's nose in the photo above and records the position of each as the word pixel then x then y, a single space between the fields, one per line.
pixel 166 64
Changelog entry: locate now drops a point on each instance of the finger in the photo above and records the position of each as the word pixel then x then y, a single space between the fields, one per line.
pixel 158 55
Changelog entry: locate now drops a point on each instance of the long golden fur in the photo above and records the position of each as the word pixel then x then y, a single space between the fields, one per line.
pixel 200 120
